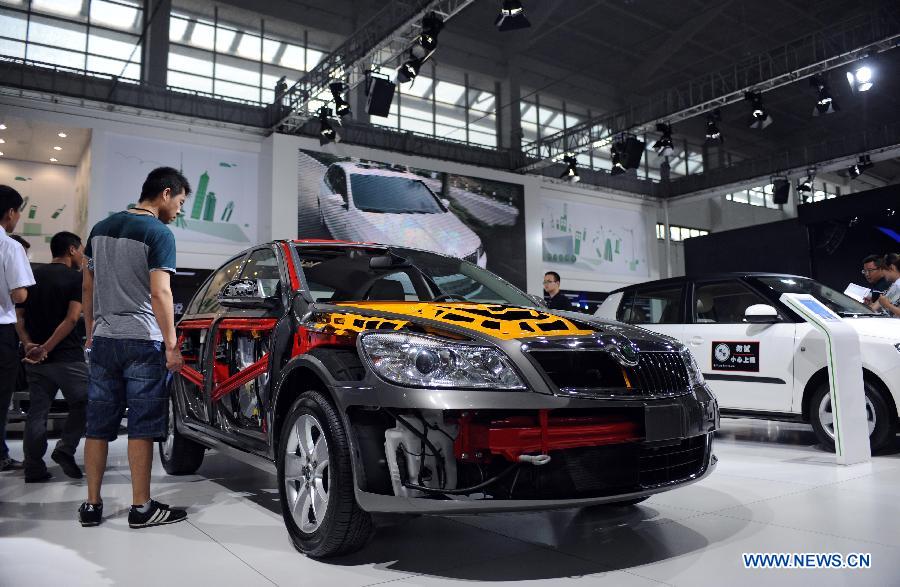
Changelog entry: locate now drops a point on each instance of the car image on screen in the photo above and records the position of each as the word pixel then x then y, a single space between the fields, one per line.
pixel 366 204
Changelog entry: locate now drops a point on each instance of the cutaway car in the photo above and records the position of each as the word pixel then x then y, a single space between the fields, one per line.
pixel 379 379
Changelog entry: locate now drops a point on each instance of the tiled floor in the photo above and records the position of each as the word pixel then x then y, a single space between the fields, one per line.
pixel 774 491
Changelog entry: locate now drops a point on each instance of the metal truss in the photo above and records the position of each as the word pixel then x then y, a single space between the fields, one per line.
pixel 378 44
pixel 813 53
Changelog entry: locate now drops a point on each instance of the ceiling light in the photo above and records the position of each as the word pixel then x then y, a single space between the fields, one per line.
pixel 53 159
pixel 571 172
pixel 861 78
pixel 57 148
pixel 341 106
pixel 664 146
pixel 860 166
pixel 511 17
pixel 825 104
pixel 760 117
pixel 327 134
pixel 409 70
pixel 2 126
pixel 713 134
pixel 62 135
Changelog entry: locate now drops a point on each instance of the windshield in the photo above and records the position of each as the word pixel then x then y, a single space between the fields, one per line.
pixel 836 301
pixel 392 195
pixel 349 274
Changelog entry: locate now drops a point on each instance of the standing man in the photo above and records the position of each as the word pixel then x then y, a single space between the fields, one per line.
pixel 54 357
pixel 873 270
pixel 556 300
pixel 15 277
pixel 131 336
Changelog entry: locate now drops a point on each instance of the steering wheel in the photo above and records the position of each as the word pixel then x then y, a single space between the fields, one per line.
pixel 448 297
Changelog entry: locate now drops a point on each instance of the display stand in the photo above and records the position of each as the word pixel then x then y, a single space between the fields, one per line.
pixel 848 398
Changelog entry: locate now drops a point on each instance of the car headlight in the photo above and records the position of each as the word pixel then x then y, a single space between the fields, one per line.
pixel 695 376
pixel 421 361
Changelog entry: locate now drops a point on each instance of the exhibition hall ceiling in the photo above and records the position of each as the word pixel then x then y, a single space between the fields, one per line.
pixel 37 141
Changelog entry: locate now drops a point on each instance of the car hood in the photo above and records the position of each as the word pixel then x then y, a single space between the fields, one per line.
pixel 442 233
pixel 878 328
pixel 493 321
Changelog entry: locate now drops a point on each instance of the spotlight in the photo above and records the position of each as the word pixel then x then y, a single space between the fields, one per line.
pixel 861 78
pixel 617 166
pixel 426 42
pixel 409 70
pixel 571 172
pixel 713 134
pixel 825 104
pixel 327 134
pixel 804 187
pixel 511 17
pixel 860 167
pixel 341 106
pixel 761 118
pixel 664 146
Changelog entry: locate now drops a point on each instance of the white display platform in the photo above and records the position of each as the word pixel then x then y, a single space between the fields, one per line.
pixel 845 378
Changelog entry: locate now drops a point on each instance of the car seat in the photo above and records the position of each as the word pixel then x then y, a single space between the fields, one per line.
pixel 705 303
pixel 386 290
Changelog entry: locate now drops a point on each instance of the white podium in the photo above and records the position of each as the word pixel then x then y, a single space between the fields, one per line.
pixel 845 378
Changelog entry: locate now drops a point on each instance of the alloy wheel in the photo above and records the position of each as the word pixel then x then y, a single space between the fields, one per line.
pixel 306 473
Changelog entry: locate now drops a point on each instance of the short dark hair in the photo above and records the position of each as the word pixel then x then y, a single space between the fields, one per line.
pixel 61 241
pixel 892 259
pixel 21 241
pixel 877 259
pixel 162 178
pixel 9 199
pixel 554 274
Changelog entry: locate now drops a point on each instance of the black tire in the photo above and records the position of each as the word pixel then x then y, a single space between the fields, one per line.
pixel 876 405
pixel 344 527
pixel 179 455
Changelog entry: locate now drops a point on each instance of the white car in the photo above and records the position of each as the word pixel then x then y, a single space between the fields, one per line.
pixel 775 370
pixel 365 204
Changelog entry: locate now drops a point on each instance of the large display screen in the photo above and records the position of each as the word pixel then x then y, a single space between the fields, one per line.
pixel 359 200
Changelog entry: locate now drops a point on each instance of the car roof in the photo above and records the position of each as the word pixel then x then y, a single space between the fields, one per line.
pixel 704 277
pixel 362 169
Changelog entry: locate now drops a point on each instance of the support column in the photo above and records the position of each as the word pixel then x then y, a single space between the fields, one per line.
pixel 155 47
pixel 509 114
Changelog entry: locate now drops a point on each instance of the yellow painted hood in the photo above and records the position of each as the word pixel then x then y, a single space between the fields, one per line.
pixel 503 322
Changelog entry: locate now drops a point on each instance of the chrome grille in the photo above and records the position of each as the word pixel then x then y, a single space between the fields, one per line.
pixel 659 374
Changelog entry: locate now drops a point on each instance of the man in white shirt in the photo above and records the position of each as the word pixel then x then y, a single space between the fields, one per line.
pixel 15 278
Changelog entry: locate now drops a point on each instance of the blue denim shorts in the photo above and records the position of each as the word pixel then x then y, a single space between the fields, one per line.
pixel 127 373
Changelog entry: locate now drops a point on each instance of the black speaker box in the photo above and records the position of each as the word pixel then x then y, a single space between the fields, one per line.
pixel 381 94
pixel 781 191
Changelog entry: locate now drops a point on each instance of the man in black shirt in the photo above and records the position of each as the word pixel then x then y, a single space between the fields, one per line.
pixel 54 357
pixel 556 300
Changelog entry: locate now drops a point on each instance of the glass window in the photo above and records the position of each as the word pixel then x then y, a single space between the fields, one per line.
pixel 655 306
pixel 68 8
pixel 836 301
pixel 392 194
pixel 121 14
pixel 263 267
pixel 723 302
pixel 13 25
pixel 210 303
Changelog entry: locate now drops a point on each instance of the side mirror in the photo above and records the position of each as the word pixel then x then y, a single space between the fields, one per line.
pixel 246 294
pixel 761 314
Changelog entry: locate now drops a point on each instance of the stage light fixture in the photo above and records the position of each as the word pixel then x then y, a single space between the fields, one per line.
pixel 617 166
pixel 861 79
pixel 664 146
pixel 860 166
pixel 760 116
pixel 511 17
pixel 825 103
pixel 409 70
pixel 804 187
pixel 426 42
pixel 341 106
pixel 571 172
pixel 713 134
pixel 327 134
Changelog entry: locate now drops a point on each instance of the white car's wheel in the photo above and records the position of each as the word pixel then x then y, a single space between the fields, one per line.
pixel 881 423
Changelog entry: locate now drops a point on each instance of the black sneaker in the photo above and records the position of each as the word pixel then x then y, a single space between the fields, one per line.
pixel 90 514
pixel 67 463
pixel 39 477
pixel 9 464
pixel 158 515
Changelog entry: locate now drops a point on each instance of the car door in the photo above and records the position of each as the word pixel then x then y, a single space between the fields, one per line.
pixel 748 366
pixel 243 339
pixel 656 308
pixel 194 336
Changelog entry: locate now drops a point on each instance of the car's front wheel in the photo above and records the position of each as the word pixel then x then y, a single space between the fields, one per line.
pixel 315 481
pixel 179 455
pixel 882 424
